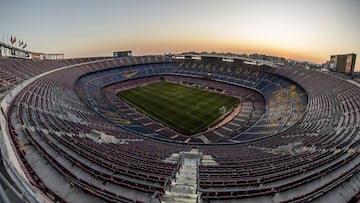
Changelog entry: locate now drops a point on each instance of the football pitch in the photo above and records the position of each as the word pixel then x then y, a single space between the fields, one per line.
pixel 188 110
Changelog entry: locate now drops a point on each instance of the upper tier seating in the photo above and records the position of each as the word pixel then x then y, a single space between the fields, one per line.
pixel 285 100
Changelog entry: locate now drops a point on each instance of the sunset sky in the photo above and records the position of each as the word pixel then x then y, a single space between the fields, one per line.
pixel 309 30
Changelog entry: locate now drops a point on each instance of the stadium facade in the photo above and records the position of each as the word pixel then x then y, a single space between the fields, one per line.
pixel 66 137
pixel 18 51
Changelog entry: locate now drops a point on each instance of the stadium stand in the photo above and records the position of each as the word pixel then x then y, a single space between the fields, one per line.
pixel 285 98
pixel 73 140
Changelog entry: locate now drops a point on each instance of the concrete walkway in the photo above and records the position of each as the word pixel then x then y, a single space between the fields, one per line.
pixel 183 187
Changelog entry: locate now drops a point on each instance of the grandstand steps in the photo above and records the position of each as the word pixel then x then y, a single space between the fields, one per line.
pixel 243 115
pixel 132 113
pixel 240 119
pixel 233 124
pixel 179 198
pixel 221 135
pixel 183 187
pixel 174 158
pixel 146 124
pixel 175 136
pixel 208 160
pixel 227 129
pixel 204 139
pixel 158 130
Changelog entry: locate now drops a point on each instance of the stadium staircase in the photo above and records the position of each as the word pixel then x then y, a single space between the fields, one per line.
pixel 183 188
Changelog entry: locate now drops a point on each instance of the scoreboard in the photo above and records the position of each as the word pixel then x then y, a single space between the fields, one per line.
pixel 122 54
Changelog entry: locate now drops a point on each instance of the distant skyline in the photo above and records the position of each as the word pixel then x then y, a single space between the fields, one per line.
pixel 310 30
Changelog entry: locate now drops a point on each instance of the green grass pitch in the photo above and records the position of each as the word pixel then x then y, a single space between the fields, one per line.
pixel 188 110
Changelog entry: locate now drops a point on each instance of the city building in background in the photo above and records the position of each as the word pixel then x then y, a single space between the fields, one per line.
pixel 344 63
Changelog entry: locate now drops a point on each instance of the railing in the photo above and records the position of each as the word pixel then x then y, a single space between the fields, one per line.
pixel 197 180
pixel 155 196
pixel 25 193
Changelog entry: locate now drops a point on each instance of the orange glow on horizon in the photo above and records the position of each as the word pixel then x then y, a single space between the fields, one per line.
pixel 170 45
pixel 235 50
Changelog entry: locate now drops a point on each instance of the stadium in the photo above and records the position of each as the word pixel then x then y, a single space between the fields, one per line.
pixel 179 101
pixel 121 129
